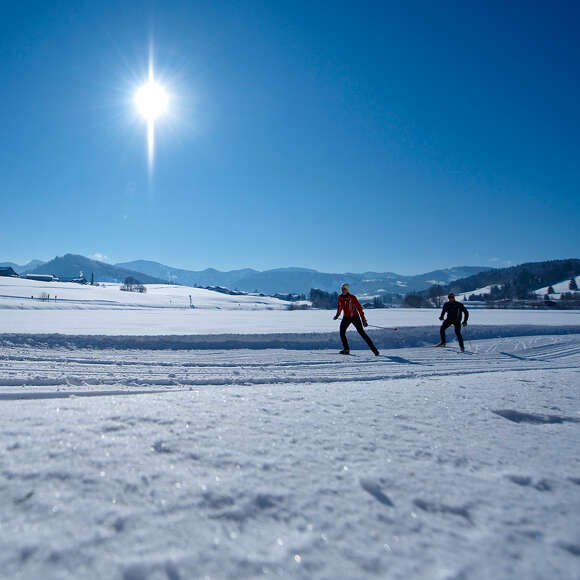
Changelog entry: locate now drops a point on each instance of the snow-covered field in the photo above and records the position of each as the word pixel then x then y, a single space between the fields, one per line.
pixel 161 442
pixel 164 310
pixel 22 294
pixel 205 321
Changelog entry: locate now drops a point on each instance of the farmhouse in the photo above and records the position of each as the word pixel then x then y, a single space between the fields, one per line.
pixel 8 272
pixel 41 277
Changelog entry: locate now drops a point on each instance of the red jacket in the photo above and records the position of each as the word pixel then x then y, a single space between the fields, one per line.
pixel 349 304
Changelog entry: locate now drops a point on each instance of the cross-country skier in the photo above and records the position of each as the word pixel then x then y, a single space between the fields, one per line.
pixel 353 314
pixel 454 311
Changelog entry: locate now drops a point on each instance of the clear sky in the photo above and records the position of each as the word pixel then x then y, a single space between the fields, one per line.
pixel 342 136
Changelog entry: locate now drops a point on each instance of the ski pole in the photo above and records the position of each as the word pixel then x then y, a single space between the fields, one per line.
pixel 469 342
pixel 383 327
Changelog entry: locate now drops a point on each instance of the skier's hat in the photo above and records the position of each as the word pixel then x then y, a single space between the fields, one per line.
pixel 345 285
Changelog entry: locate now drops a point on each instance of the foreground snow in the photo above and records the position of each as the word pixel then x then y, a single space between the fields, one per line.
pixel 422 463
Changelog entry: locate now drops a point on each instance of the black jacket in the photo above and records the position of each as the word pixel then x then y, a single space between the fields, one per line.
pixel 454 310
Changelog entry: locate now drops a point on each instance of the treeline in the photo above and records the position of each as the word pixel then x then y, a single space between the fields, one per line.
pixel 322 299
pixel 516 282
pixel 133 285
pixel 529 276
pixel 328 300
pixel 519 291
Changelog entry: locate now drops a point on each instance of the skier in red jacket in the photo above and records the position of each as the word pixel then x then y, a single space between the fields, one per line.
pixel 353 313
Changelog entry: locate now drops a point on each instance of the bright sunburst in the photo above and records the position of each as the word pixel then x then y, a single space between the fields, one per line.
pixel 151 101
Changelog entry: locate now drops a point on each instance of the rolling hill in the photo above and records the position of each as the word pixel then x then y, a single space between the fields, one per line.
pixel 518 281
pixel 73 265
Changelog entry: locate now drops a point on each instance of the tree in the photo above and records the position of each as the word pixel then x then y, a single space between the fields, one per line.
pixel 436 294
pixel 523 283
pixel 132 285
pixel 573 285
pixel 322 299
pixel 570 296
pixel 550 290
pixel 413 301
pixel 476 297
pixel 378 302
pixel 498 292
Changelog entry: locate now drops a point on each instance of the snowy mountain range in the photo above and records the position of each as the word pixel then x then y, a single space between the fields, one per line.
pixel 73 265
pixel 284 280
pixel 460 279
pixel 279 280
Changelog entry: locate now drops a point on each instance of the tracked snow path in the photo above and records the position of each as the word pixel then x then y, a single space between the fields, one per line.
pixel 422 463
pixel 40 370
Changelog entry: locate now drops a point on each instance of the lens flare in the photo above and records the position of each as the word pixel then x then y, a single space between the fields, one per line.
pixel 151 100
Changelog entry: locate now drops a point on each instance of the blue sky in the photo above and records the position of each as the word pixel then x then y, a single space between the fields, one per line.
pixel 342 136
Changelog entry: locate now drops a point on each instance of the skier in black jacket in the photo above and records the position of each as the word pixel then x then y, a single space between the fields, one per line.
pixel 454 311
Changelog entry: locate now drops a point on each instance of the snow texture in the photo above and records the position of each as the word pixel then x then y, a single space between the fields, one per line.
pixel 276 463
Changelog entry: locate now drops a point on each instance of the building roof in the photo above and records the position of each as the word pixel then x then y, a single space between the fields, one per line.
pixel 8 271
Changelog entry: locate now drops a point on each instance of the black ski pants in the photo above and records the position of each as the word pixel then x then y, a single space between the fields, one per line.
pixel 346 322
pixel 446 324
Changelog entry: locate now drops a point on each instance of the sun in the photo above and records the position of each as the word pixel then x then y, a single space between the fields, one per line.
pixel 151 100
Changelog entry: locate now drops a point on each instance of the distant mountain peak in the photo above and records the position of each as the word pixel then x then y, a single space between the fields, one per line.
pixel 22 268
pixel 295 279
pixel 71 265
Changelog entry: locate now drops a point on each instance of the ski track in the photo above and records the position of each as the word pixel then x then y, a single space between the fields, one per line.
pixel 65 368
pixel 176 464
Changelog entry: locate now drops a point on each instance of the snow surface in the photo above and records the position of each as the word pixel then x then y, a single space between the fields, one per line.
pixel 183 321
pixel 143 440
pixel 19 293
pixel 421 463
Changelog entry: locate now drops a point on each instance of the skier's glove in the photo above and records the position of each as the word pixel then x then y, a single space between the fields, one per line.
pixel 441 318
pixel 465 323
pixel 335 318
pixel 365 323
